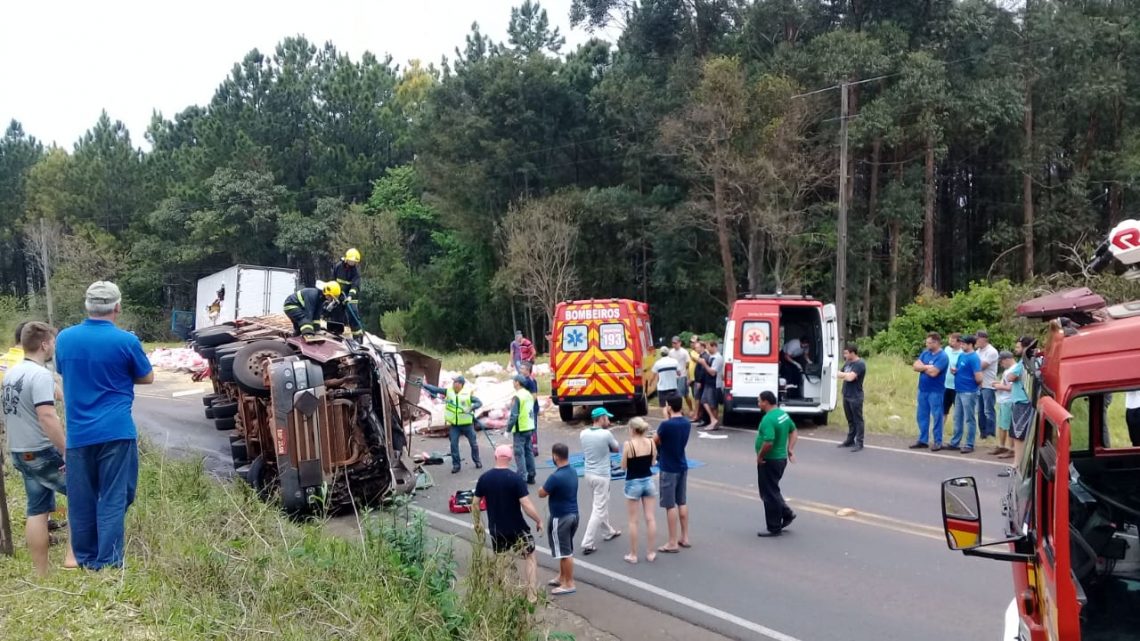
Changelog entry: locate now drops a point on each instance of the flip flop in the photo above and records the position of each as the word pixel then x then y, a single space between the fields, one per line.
pixel 665 550
pixel 631 559
pixel 651 557
pixel 554 583
pixel 562 591
pixel 685 545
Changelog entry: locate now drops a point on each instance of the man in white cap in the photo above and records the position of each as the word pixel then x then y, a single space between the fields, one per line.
pixel 507 499
pixel 100 365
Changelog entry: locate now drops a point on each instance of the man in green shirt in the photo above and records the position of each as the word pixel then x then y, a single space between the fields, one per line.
pixel 775 446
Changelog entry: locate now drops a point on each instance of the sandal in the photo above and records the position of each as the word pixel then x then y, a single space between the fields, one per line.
pixel 651 557
pixel 554 583
pixel 668 550
pixel 685 544
pixel 561 591
pixel 632 559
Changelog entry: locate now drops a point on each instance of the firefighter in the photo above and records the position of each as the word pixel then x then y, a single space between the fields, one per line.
pixel 347 275
pixel 306 306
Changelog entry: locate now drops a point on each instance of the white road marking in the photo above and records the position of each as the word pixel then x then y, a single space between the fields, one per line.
pixel 703 608
pixel 189 392
pixel 944 457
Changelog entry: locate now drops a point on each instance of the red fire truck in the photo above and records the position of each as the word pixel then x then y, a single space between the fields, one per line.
pixel 1071 515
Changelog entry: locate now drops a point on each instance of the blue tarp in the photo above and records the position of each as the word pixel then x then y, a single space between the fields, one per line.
pixel 578 462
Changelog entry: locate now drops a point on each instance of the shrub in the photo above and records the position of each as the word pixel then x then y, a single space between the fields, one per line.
pixel 394 324
pixel 982 306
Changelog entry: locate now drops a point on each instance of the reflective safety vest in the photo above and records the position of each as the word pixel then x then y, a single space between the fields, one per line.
pixel 458 408
pixel 526 411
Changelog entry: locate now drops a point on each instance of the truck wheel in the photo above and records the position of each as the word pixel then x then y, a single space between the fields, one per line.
pixel 641 405
pixel 248 366
pixel 566 412
pixel 210 399
pixel 239 453
pixel 210 412
pixel 820 419
pixel 225 410
pixel 224 424
pixel 258 477
pixel 226 369
pixel 216 339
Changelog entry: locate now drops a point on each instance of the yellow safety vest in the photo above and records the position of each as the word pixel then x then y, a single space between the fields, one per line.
pixel 458 409
pixel 13 357
pixel 526 411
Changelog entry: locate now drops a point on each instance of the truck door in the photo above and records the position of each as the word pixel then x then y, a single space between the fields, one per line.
pixel 613 357
pixel 830 360
pixel 1057 592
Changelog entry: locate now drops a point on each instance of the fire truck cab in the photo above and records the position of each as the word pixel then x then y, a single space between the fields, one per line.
pixel 1071 515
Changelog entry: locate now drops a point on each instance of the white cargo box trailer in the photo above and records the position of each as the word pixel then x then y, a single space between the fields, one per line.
pixel 249 291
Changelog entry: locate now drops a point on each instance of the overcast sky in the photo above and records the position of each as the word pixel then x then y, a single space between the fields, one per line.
pixel 62 62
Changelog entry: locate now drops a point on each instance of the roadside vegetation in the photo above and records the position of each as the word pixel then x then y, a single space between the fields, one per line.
pixel 210 561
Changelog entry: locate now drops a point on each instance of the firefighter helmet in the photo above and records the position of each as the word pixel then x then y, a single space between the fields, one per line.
pixel 352 255
pixel 331 289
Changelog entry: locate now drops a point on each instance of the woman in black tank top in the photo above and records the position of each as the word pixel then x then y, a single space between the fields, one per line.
pixel 637 458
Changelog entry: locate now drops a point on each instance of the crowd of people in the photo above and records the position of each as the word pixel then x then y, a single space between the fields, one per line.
pixel 94 461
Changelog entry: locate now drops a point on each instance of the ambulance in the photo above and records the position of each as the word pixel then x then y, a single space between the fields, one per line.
pixel 784 344
pixel 600 354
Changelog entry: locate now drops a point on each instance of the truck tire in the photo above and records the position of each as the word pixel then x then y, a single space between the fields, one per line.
pixel 566 412
pixel 210 413
pixel 225 424
pixel 226 369
pixel 225 327
pixel 206 352
pixel 210 399
pixel 641 405
pixel 225 410
pixel 248 365
pixel 239 453
pixel 258 477
pixel 216 339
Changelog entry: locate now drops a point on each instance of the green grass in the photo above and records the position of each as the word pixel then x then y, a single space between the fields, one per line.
pixel 890 390
pixel 209 561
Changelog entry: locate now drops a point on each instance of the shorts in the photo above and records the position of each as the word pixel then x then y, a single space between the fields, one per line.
pixel 1021 419
pixel 683 386
pixel 663 396
pixel 673 488
pixel 709 395
pixel 560 532
pixel 637 489
pixel 1004 416
pixel 43 478
pixel 523 543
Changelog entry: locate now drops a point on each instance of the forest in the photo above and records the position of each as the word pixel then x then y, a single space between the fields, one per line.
pixel 694 159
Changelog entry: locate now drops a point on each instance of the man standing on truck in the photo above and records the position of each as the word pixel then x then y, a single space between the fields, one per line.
pixel 306 306
pixel 459 415
pixel 347 274
pixel 967 381
pixel 100 365
pixel 987 399
pixel 775 446
pixel 520 425
pixel 931 365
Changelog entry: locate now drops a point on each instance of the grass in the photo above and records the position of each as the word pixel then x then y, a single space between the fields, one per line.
pixel 209 561
pixel 890 390
pixel 150 346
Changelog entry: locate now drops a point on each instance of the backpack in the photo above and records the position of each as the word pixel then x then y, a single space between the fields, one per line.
pixel 526 350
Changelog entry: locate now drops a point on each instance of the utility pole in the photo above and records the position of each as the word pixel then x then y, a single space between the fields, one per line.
pixel 841 227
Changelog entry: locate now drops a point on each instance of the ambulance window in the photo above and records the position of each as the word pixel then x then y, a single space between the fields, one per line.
pixel 756 338
pixel 575 338
pixel 612 336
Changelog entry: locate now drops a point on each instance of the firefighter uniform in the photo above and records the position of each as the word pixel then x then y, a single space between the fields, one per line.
pixel 304 308
pixel 347 274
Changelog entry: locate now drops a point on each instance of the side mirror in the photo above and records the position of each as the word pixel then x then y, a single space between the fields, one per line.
pixel 961 513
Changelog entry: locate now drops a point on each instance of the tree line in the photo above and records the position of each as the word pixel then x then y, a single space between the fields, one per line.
pixel 692 161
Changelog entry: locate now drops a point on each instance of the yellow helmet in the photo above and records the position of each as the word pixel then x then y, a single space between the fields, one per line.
pixel 352 255
pixel 332 289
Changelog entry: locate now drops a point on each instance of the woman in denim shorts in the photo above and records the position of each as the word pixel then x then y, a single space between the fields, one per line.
pixel 637 458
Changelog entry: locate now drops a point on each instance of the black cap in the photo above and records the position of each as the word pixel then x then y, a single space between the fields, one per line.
pixel 969 339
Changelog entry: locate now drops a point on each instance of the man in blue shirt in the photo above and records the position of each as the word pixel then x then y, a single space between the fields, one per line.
pixel 100 365
pixel 562 488
pixel 671 438
pixel 931 366
pixel 967 381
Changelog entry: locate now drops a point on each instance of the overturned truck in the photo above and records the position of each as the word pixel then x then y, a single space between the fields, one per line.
pixel 318 423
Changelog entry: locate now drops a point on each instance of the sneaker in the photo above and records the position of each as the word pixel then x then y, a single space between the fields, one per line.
pixel 478 465
pixel 950 447
pixel 788 520
pixel 858 447
pixel 530 480
pixel 455 470
pixel 846 444
pixel 919 445
pixel 936 447
pixel 967 450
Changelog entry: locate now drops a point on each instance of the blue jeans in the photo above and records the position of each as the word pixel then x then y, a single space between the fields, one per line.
pixel 453 433
pixel 101 481
pixel 43 479
pixel 987 413
pixel 965 408
pixel 930 411
pixel 524 455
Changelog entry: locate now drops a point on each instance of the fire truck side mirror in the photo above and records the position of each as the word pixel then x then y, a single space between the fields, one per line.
pixel 961 513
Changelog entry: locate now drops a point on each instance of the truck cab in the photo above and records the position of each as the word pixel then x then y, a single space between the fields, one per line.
pixel 785 344
pixel 1071 515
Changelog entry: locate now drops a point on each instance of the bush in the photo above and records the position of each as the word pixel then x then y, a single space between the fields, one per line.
pixel 982 306
pixel 394 324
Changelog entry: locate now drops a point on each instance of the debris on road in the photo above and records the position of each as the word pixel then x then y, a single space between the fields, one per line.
pixel 179 359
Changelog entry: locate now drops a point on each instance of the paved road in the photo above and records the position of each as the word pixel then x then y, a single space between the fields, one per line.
pixel 883 573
